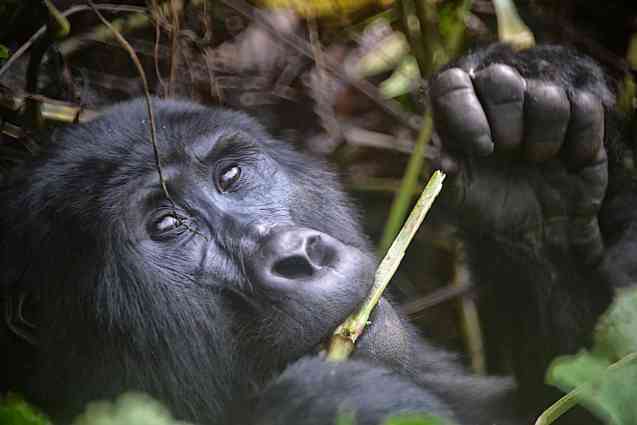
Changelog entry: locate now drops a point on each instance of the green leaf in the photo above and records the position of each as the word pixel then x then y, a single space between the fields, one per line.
pixel 603 380
pixel 616 332
pixel 607 391
pixel 567 372
pixel 4 51
pixel 127 409
pixel 345 418
pixel 402 80
pixel 390 51
pixel 15 411
pixel 416 419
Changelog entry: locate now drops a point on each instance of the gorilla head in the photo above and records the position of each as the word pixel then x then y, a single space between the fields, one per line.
pixel 196 298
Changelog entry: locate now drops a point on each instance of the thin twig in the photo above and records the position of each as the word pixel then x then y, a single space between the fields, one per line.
pixel 52 109
pixel 571 399
pixel 468 310
pixel 175 8
pixel 59 26
pixel 101 34
pixel 557 409
pixel 416 307
pixel 414 30
pixel 511 28
pixel 400 204
pixel 156 55
pixel 345 336
pixel 324 108
pixel 149 108
pixel 75 9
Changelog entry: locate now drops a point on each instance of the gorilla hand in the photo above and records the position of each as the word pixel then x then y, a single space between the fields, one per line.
pixel 526 152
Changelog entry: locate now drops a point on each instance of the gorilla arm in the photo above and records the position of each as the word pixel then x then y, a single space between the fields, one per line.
pixel 527 140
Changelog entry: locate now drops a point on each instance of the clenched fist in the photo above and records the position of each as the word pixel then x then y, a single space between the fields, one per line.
pixel 523 138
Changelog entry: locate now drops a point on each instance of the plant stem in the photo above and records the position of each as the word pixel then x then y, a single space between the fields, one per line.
pixel 342 342
pixel 402 200
pixel 511 28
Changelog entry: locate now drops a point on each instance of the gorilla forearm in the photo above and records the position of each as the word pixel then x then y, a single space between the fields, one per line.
pixel 532 142
pixel 538 304
pixel 618 219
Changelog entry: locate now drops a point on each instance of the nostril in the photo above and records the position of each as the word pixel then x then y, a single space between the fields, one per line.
pixel 294 254
pixel 293 267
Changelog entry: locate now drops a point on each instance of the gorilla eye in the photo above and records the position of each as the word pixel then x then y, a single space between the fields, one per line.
pixel 167 226
pixel 228 177
pixel 167 222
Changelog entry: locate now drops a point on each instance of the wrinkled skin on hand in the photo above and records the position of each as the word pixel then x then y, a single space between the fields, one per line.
pixel 526 155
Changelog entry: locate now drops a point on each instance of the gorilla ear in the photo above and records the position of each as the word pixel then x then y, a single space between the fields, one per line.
pixel 14 307
pixel 13 294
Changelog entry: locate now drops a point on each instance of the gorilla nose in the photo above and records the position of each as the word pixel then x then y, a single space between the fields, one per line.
pixel 293 254
pixel 297 253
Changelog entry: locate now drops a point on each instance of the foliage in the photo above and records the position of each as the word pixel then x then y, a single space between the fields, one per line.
pixel 7 7
pixel 332 8
pixel 416 420
pixel 15 411
pixel 405 419
pixel 127 409
pixel 141 409
pixel 603 379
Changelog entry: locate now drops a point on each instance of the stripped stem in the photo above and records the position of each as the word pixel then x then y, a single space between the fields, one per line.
pixel 344 338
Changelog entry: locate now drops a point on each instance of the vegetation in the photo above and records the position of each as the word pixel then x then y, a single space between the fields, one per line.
pixel 400 44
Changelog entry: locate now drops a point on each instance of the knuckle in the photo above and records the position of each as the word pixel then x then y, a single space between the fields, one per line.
pixel 585 138
pixel 451 80
pixel 586 101
pixel 587 108
pixel 547 95
pixel 500 83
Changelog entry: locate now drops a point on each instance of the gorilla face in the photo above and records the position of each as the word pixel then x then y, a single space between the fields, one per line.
pixel 251 261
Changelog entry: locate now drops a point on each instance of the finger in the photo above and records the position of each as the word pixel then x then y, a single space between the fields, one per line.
pixel 585 134
pixel 546 112
pixel 554 204
pixel 458 115
pixel 501 90
pixel 586 240
pixel 584 233
pixel 446 163
pixel 440 159
pixel 590 190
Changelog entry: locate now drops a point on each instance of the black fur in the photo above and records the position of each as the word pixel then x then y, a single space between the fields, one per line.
pixel 216 316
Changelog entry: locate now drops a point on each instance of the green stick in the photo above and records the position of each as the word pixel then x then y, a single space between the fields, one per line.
pixel 342 342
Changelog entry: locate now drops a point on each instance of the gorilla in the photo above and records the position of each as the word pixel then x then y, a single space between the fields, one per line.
pixel 212 286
